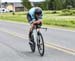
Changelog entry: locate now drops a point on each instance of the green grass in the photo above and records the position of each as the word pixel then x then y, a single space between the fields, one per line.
pixel 48 18
pixel 64 21
pixel 20 17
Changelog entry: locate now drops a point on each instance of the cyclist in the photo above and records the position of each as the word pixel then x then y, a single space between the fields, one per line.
pixel 34 16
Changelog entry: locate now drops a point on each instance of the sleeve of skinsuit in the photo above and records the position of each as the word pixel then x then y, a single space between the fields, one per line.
pixel 31 12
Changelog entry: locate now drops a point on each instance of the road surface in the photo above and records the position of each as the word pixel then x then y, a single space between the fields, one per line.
pixel 59 44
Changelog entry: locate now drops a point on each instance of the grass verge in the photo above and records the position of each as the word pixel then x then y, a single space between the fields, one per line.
pixel 48 19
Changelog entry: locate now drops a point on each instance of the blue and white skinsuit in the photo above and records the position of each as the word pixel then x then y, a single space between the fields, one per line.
pixel 31 15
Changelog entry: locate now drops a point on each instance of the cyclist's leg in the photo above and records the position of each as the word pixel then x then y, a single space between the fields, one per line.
pixel 30 32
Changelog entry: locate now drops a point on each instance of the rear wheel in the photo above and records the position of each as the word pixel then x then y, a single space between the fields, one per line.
pixel 40 44
pixel 32 44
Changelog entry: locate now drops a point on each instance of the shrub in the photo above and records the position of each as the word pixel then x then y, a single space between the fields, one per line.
pixel 67 12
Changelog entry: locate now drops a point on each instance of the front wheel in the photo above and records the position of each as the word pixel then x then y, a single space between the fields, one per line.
pixel 40 44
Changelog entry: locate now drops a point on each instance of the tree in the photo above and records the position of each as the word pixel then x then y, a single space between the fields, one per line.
pixel 69 3
pixel 59 4
pixel 47 4
pixel 26 4
pixel 41 4
pixel 74 3
pixel 51 4
pixel 55 4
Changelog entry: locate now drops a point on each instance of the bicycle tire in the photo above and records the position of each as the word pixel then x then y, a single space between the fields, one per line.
pixel 32 46
pixel 41 52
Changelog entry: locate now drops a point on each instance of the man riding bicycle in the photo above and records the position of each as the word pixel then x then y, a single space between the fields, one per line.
pixel 34 16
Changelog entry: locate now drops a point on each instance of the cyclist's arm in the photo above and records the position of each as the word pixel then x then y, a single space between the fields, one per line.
pixel 33 20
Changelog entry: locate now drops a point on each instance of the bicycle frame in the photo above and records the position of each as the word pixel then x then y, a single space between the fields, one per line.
pixel 38 39
pixel 35 31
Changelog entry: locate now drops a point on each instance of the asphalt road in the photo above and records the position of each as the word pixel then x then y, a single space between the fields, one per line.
pixel 59 44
